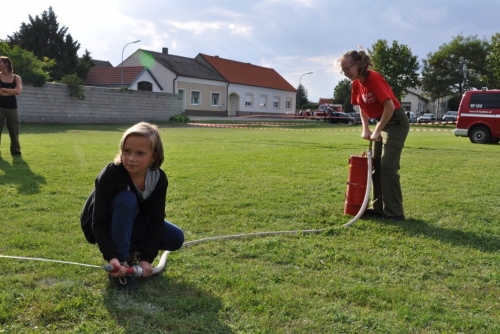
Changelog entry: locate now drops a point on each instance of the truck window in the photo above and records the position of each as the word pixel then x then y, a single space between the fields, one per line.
pixel 485 100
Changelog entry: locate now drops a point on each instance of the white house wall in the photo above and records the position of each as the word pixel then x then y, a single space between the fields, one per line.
pixel 164 76
pixel 145 76
pixel 256 92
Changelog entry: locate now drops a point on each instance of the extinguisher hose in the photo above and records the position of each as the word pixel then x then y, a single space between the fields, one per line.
pixel 163 259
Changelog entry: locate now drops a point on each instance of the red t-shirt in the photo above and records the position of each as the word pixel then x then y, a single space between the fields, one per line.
pixel 371 94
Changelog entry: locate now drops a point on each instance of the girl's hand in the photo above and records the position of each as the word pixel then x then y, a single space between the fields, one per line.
pixel 376 136
pixel 147 269
pixel 122 270
pixel 366 134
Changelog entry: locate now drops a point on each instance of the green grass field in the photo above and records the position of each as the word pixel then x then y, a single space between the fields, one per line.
pixel 437 272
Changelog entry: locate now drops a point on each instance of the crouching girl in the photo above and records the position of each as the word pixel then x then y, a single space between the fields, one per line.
pixel 125 213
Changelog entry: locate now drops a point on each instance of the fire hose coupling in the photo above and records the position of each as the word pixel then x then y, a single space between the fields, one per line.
pixel 134 270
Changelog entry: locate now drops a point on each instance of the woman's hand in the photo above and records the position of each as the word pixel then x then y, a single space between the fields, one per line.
pixel 366 134
pixel 375 136
pixel 147 269
pixel 122 270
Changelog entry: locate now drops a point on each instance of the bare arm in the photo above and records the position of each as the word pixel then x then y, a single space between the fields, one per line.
pixel 386 116
pixel 13 91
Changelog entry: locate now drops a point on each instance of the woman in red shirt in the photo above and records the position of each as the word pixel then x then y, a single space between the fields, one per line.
pixel 376 99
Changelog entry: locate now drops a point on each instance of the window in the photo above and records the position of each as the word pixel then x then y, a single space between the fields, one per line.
pixel 288 104
pixel 195 98
pixel 484 100
pixel 276 102
pixel 263 101
pixel 406 106
pixel 145 85
pixel 215 99
pixel 248 100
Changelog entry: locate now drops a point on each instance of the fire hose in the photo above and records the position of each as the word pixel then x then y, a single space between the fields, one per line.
pixel 136 270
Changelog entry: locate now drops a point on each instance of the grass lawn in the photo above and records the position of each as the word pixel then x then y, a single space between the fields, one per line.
pixel 437 272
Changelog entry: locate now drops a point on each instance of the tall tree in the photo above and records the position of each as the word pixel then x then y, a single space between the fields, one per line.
pixel 44 38
pixel 492 77
pixel 342 95
pixel 26 65
pixel 397 64
pixel 301 96
pixel 456 67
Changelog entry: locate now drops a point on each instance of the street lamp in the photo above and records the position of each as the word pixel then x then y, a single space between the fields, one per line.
pixel 122 57
pixel 299 87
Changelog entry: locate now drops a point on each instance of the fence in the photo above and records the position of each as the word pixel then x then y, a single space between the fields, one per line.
pixel 52 104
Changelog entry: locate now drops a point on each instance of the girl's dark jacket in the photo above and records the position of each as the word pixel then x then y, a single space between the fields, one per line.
pixel 96 215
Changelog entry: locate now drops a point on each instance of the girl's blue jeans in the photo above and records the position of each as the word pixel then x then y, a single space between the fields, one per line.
pixel 129 227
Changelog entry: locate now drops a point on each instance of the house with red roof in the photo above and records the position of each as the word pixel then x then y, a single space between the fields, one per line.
pixel 252 89
pixel 132 77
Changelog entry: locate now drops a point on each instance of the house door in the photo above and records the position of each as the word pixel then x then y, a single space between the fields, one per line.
pixel 234 103
pixel 183 93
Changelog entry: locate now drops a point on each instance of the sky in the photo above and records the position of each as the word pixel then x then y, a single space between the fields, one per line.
pixel 293 37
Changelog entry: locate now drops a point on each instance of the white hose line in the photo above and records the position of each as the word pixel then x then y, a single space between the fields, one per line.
pixel 47 260
pixel 163 258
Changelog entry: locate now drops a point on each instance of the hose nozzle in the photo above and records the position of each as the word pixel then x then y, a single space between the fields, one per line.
pixel 134 270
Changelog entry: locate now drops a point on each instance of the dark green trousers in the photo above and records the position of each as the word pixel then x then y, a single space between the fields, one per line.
pixel 387 194
pixel 12 117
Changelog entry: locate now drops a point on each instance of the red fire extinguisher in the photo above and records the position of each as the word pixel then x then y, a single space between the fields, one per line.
pixel 358 183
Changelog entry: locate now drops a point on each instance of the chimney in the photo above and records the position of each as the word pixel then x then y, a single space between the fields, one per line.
pixel 164 51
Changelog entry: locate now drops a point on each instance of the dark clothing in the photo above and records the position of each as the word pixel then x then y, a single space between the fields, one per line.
pixel 387 194
pixel 8 102
pixel 96 217
pixel 10 113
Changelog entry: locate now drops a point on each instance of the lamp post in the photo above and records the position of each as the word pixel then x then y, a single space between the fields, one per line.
pixel 300 85
pixel 122 57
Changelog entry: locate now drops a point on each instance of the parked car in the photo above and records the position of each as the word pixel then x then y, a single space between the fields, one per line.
pixel 479 116
pixel 341 117
pixel 450 116
pixel 426 118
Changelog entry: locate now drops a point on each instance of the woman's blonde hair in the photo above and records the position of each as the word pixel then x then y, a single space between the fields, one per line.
pixel 361 57
pixel 150 132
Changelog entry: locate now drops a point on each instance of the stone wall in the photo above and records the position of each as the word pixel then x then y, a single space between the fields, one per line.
pixel 52 104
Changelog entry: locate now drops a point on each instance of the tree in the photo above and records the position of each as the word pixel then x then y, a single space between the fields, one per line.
pixel 301 96
pixel 84 65
pixel 342 95
pixel 456 67
pixel 454 102
pixel 44 38
pixel 26 65
pixel 397 64
pixel 492 77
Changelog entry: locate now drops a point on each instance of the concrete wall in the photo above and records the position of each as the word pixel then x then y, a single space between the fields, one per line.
pixel 52 104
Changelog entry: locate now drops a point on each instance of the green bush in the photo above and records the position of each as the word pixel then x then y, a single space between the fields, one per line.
pixel 179 118
pixel 74 85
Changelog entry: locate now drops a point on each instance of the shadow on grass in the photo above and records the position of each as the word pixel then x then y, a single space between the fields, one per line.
pixel 456 237
pixel 20 174
pixel 164 305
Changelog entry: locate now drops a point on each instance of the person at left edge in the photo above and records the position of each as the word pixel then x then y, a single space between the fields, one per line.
pixel 10 86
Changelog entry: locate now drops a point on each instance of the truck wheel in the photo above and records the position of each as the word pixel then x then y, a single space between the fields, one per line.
pixel 480 135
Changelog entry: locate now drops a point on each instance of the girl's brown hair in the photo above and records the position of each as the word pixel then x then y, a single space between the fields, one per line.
pixel 149 131
pixel 361 57
pixel 6 60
